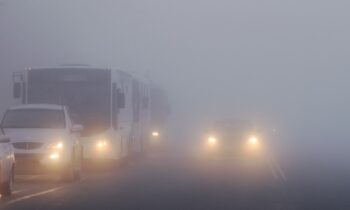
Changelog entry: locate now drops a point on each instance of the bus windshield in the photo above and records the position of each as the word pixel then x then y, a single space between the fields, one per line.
pixel 85 91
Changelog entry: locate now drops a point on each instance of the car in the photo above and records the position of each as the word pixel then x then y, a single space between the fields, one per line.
pixel 44 139
pixel 233 138
pixel 155 141
pixel 7 165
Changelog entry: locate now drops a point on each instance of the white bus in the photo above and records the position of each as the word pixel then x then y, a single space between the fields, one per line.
pixel 106 102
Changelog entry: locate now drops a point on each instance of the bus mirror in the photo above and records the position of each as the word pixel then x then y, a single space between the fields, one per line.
pixel 17 90
pixel 121 100
pixel 77 128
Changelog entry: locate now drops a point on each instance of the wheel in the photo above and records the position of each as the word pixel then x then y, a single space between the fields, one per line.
pixel 77 170
pixel 73 171
pixel 6 188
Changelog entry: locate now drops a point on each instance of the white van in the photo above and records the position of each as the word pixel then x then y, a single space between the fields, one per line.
pixel 44 139
pixel 7 165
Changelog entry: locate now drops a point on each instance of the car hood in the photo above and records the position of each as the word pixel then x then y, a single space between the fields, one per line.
pixel 34 134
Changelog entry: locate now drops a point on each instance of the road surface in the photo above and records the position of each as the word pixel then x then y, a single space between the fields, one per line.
pixel 183 182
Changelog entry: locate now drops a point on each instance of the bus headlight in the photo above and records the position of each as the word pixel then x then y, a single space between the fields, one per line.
pixel 102 144
pixel 253 140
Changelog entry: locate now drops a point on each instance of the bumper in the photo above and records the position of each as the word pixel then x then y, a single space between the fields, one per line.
pixel 246 150
pixel 40 163
pixel 92 152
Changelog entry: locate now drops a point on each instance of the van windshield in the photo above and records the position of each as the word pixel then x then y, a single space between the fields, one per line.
pixel 34 118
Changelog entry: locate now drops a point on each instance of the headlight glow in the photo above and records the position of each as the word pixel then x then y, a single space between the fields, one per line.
pixel 212 140
pixel 57 146
pixel 101 144
pixel 155 134
pixel 54 156
pixel 253 140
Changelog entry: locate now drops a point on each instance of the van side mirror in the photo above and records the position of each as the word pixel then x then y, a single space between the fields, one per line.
pixel 77 128
pixel 17 90
pixel 121 99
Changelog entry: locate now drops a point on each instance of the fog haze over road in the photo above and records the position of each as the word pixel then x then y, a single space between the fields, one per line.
pixel 283 64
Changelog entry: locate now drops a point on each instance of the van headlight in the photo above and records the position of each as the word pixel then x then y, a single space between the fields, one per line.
pixel 55 150
pixel 57 146
pixel 54 156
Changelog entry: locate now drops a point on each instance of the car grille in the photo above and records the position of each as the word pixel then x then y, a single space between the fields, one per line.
pixel 21 156
pixel 27 145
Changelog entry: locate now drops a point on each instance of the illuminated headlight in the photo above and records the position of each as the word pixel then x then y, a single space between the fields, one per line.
pixel 54 156
pixel 155 134
pixel 212 140
pixel 253 140
pixel 56 146
pixel 101 144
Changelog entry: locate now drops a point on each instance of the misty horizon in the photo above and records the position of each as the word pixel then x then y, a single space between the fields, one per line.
pixel 282 65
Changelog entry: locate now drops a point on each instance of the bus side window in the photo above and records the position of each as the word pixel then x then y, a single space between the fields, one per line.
pixel 17 90
pixel 136 100
pixel 121 99
pixel 116 106
pixel 145 102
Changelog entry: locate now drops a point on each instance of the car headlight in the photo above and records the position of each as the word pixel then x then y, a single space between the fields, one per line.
pixel 155 133
pixel 253 140
pixel 212 140
pixel 57 146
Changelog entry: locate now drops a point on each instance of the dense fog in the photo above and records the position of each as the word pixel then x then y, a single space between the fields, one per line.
pixel 283 64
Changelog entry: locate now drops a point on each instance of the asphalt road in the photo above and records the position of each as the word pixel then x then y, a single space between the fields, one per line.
pixel 183 182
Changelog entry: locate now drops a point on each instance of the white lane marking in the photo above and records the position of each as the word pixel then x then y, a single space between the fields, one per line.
pixel 26 177
pixel 18 191
pixel 15 192
pixel 272 169
pixel 278 169
pixel 33 195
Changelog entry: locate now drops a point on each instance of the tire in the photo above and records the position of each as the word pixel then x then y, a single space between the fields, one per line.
pixel 72 172
pixel 6 188
pixel 77 170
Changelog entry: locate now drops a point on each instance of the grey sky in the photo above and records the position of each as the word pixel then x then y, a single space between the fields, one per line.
pixel 281 62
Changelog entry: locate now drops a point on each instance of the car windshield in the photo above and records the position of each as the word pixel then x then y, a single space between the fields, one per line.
pixel 232 127
pixel 33 118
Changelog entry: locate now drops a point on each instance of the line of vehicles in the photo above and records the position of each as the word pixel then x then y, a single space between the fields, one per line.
pixel 70 114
